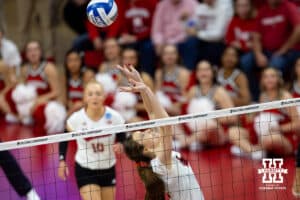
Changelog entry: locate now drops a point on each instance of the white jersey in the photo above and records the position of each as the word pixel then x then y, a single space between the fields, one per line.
pixel 179 179
pixel 97 152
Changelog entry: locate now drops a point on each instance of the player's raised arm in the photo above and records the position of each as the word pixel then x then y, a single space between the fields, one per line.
pixel 153 107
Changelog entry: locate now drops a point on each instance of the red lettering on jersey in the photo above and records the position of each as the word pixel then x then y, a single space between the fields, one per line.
pixel 98 147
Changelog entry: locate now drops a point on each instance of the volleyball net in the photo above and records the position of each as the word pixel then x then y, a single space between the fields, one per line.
pixel 223 169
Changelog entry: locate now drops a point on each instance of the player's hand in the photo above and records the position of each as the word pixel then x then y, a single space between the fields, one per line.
pixel 261 60
pixel 118 148
pixel 134 87
pixel 63 170
pixel 130 73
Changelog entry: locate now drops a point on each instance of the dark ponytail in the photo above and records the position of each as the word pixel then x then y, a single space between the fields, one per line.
pixel 155 188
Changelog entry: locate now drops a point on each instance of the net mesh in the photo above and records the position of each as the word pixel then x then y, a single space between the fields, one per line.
pixel 224 148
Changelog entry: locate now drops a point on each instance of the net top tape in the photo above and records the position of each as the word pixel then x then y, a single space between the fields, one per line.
pixel 16 144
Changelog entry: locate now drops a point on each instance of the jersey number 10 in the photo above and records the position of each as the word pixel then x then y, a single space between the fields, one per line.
pixel 98 147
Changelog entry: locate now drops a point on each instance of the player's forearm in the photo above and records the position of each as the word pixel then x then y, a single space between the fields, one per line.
pixel 152 104
pixel 63 148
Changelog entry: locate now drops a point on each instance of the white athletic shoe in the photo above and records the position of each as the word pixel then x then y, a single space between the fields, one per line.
pixel 195 146
pixel 10 118
pixel 258 155
pixel 32 195
pixel 237 151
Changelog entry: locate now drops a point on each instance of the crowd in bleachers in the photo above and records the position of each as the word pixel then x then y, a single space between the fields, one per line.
pixel 196 55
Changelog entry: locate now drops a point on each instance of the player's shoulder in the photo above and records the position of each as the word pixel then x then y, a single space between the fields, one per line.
pixel 76 116
pixel 113 114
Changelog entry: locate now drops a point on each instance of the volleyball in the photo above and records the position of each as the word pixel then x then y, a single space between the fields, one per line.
pixel 102 13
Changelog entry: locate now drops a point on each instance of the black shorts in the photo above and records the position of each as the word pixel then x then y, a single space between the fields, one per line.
pixel 101 177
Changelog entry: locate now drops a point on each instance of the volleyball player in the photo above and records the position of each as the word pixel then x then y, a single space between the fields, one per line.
pixel 161 169
pixel 16 177
pixel 95 159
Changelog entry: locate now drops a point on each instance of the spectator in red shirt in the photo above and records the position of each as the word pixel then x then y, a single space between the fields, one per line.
pixel 239 35
pixel 136 31
pixel 241 26
pixel 277 31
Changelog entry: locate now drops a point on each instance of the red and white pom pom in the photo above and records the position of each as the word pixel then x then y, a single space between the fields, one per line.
pixel 24 96
pixel 24 93
pixel 108 83
pixel 124 102
pixel 164 100
pixel 265 122
pixel 199 105
pixel 55 114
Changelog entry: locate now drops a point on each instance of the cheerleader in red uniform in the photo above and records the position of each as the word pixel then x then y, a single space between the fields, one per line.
pixel 206 96
pixel 171 80
pixel 76 76
pixel 36 98
pixel 275 129
pixel 232 79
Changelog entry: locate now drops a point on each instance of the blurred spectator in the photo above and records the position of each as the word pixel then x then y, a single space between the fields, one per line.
pixel 75 80
pixel 274 129
pixel 241 26
pixel 206 96
pixel 130 57
pixel 278 30
pixel 136 31
pixel 112 54
pixel 25 11
pixel 35 100
pixel 232 79
pixel 207 30
pixel 171 80
pixel 169 22
pixel 75 16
